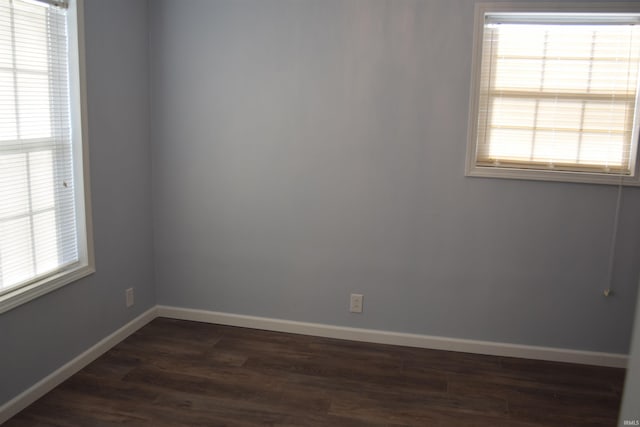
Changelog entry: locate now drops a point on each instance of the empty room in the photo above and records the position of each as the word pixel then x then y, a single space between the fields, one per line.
pixel 319 213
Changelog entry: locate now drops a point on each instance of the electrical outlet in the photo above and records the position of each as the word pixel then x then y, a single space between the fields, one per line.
pixel 129 297
pixel 356 303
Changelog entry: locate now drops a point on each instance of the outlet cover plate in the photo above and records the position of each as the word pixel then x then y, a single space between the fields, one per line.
pixel 355 305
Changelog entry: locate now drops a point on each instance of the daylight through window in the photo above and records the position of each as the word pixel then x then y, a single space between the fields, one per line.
pixel 558 92
pixel 39 211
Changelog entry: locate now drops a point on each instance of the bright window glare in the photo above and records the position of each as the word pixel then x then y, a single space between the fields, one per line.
pixel 37 212
pixel 558 96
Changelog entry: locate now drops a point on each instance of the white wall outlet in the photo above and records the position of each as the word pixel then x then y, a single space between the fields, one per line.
pixel 356 303
pixel 129 297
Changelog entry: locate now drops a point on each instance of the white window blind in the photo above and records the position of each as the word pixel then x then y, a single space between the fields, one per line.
pixel 38 235
pixel 558 92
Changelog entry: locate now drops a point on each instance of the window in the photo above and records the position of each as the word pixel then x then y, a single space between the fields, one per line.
pixel 555 93
pixel 43 208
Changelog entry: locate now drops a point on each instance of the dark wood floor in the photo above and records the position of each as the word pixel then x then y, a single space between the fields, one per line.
pixel 187 373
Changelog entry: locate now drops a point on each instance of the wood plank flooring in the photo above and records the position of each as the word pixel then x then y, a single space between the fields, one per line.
pixel 172 373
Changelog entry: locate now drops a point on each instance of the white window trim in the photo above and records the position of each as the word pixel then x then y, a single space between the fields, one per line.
pixel 86 264
pixel 473 170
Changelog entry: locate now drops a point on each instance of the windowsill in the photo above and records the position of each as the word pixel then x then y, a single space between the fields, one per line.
pixel 561 176
pixel 27 293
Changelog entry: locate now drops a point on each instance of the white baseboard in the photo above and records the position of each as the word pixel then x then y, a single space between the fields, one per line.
pixel 52 380
pixel 398 338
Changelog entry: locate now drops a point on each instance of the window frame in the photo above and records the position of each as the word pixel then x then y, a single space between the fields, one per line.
pixel 80 152
pixel 472 169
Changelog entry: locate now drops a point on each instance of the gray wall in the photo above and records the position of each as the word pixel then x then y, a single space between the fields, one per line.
pixel 41 336
pixel 304 150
